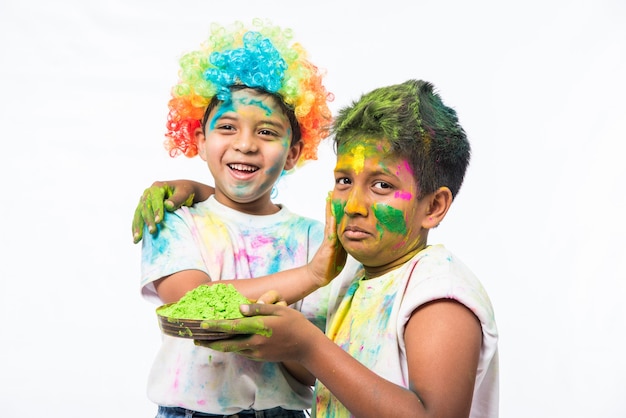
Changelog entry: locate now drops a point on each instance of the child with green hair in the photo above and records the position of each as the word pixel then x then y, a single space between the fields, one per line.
pixel 415 334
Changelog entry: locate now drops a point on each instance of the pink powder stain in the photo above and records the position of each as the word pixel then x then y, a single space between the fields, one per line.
pixel 399 245
pixel 201 402
pixel 241 255
pixel 404 167
pixel 176 381
pixel 404 195
pixel 260 241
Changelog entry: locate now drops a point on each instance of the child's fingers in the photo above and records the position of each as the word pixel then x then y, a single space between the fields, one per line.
pixel 177 195
pixel 330 230
pixel 255 309
pixel 255 324
pixel 143 216
pixel 137 226
pixel 155 201
pixel 271 297
pixel 340 255
pixel 236 345
pixel 160 196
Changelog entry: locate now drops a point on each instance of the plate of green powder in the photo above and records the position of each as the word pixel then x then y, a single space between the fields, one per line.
pixel 193 313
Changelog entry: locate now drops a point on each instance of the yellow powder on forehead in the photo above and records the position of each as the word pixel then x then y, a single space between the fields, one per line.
pixel 358 155
pixel 218 301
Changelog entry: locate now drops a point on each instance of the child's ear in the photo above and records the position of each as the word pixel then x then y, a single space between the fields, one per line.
pixel 201 141
pixel 292 156
pixel 440 202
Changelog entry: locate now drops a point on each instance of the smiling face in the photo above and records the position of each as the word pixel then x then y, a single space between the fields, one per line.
pixel 246 145
pixel 380 221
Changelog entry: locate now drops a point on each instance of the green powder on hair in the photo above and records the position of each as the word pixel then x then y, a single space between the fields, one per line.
pixel 218 301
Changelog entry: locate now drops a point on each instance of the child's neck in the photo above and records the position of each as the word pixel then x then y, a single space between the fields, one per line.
pixel 376 271
pixel 260 207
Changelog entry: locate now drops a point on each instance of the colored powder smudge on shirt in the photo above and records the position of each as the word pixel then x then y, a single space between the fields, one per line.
pixel 219 301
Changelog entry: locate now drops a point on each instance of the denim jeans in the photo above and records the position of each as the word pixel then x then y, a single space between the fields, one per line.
pixel 173 412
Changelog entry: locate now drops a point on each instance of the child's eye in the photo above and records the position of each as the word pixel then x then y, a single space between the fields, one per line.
pixel 266 132
pixel 225 127
pixel 343 180
pixel 382 185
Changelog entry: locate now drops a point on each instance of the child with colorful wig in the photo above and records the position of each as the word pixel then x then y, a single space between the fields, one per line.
pixel 415 334
pixel 251 105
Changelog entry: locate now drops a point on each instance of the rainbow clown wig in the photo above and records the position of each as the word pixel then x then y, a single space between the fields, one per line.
pixel 262 57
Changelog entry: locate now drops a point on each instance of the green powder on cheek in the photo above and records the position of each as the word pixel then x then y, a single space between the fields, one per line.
pixel 338 209
pixel 390 218
pixel 219 301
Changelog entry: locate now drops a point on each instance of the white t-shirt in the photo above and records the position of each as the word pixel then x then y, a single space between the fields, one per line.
pixel 370 320
pixel 227 244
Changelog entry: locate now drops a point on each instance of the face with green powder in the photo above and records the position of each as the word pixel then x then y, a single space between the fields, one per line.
pixel 379 218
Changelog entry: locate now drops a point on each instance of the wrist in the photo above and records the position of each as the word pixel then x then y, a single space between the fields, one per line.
pixel 315 340
pixel 316 278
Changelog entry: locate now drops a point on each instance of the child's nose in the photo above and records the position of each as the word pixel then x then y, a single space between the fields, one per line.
pixel 245 143
pixel 355 205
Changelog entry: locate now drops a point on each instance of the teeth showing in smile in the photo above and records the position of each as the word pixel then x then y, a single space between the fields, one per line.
pixel 243 167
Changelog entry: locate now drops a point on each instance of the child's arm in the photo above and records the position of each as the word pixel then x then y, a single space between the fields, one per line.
pixel 169 195
pixel 443 341
pixel 292 285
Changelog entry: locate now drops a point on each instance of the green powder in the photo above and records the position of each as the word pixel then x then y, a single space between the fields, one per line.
pixel 219 301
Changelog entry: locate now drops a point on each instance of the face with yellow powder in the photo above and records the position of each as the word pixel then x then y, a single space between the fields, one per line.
pixel 379 218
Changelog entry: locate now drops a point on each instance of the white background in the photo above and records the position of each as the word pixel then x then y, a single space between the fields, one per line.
pixel 538 85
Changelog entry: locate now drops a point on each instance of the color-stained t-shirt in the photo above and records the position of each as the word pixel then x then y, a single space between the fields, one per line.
pixel 227 244
pixel 370 320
